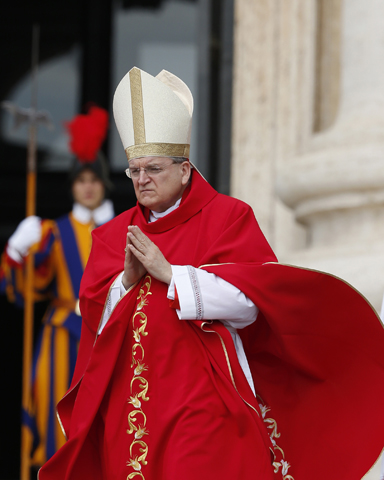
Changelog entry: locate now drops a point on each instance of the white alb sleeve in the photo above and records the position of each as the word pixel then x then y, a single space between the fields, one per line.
pixel 116 291
pixel 203 295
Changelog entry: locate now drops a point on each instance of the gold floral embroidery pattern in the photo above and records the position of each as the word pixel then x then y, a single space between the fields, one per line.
pixel 280 462
pixel 137 420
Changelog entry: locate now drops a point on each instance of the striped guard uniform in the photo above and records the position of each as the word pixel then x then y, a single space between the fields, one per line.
pixel 60 259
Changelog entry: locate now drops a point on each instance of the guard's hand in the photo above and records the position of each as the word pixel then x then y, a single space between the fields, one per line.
pixel 26 234
pixel 144 256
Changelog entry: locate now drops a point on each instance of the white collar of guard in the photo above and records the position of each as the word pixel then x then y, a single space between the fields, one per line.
pixel 99 215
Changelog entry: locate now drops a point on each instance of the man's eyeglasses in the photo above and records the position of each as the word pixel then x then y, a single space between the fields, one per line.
pixel 150 170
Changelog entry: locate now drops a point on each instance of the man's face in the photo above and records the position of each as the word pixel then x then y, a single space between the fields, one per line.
pixel 162 184
pixel 88 190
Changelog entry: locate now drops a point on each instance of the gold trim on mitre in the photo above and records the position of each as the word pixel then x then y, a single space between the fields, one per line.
pixel 157 150
pixel 137 106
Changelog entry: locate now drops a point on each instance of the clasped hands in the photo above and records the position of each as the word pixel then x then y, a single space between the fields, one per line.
pixel 141 256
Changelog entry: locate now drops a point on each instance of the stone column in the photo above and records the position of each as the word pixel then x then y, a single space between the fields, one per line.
pixel 335 186
pixel 253 106
pixel 272 93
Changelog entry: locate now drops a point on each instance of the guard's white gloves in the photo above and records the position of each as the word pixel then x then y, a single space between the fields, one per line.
pixel 26 234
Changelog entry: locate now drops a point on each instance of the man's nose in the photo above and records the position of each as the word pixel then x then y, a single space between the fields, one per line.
pixel 143 176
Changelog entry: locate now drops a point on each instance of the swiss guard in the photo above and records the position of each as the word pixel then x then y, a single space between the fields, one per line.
pixel 61 248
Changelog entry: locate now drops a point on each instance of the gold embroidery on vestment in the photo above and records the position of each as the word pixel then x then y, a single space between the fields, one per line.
pixel 137 420
pixel 271 424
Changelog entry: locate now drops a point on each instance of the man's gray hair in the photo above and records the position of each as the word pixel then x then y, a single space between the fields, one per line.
pixel 179 159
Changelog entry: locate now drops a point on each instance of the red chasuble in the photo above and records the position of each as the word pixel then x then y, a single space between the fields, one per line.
pixel 158 398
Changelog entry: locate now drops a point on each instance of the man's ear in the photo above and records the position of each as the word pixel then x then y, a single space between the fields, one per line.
pixel 186 172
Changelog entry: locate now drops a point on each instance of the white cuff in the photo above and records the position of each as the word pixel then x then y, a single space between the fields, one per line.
pixel 204 295
pixel 181 280
pixel 171 288
pixel 116 291
pixel 119 279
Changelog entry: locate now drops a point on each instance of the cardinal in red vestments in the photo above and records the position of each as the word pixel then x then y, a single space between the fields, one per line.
pixel 201 356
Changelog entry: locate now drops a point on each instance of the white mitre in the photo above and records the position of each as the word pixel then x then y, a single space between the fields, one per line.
pixel 153 114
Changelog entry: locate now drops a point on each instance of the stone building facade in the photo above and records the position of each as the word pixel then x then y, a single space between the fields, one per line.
pixel 308 133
